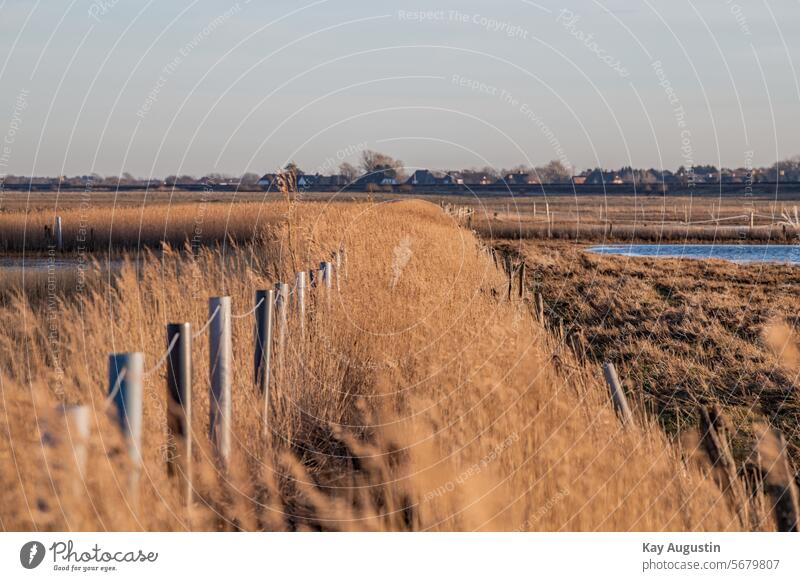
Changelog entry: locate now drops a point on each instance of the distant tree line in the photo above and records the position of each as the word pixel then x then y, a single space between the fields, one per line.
pixel 376 167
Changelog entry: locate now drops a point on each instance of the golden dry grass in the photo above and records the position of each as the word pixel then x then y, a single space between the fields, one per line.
pixel 418 400
pixel 105 227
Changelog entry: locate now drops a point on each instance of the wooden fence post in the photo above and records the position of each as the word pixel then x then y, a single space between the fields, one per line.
pixel 220 359
pixel 617 394
pixel 265 299
pixel 539 307
pixel 125 374
pixel 59 235
pixel 522 281
pixel 779 478
pixel 179 406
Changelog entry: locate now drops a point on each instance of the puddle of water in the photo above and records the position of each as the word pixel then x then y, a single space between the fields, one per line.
pixel 741 253
pixel 43 264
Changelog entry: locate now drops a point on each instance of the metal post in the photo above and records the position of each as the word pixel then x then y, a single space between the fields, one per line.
pixel 522 281
pixel 617 394
pixel 549 220
pixel 265 299
pixel 327 274
pixel 179 405
pixel 125 373
pixel 59 235
pixel 76 418
pixel 220 365
pixel 300 299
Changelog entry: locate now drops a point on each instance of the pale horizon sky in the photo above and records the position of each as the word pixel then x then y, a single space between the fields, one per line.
pixel 194 86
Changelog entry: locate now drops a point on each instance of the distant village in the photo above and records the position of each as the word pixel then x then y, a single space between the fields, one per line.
pixel 379 172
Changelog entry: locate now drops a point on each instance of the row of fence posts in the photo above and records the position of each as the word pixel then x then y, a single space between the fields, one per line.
pixel 126 374
pixel 783 489
pixel 462 213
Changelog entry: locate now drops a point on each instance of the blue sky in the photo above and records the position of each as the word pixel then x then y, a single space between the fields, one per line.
pixel 194 86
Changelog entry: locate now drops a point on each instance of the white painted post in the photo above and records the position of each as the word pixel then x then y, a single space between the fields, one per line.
pixel 338 265
pixel 617 394
pixel 125 374
pixel 77 423
pixel 281 309
pixel 300 299
pixel 59 235
pixel 220 366
pixel 547 209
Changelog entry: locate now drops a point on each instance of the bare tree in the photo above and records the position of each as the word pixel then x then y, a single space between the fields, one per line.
pixel 554 172
pixel 349 171
pixel 292 168
pixel 374 161
pixel 249 179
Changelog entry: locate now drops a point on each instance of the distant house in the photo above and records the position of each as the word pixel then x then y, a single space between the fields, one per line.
pixel 424 177
pixel 475 178
pixel 267 181
pixel 303 181
pixel 515 179
pixel 334 181
pixel 306 181
pixel 380 177
pixel 597 177
pixel 455 177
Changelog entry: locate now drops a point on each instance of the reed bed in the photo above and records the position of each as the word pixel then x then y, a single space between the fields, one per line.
pixel 113 229
pixel 418 398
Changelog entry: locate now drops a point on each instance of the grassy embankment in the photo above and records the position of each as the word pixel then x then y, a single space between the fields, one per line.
pixel 418 400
